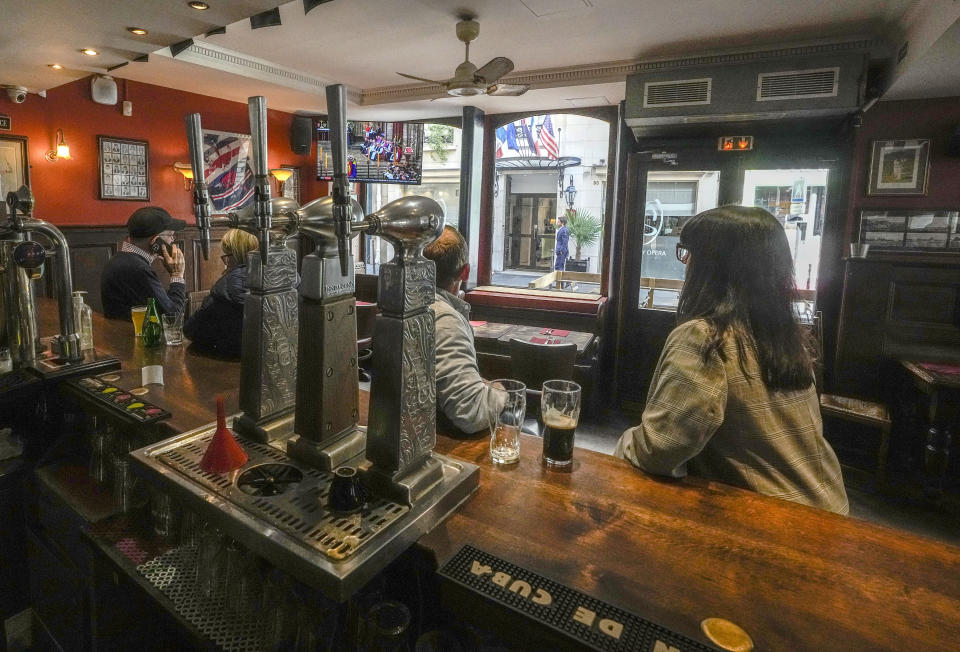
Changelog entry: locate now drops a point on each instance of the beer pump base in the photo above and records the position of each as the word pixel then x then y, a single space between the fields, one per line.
pixel 408 488
pixel 267 430
pixel 328 456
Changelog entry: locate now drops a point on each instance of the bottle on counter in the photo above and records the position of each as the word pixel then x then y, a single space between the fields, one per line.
pixel 83 318
pixel 152 330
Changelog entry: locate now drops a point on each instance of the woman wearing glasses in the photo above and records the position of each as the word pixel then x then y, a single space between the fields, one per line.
pixel 733 397
pixel 218 325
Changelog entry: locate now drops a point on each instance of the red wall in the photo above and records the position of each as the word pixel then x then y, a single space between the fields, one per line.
pixel 935 119
pixel 66 191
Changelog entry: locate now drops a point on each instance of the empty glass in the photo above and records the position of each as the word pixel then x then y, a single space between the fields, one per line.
pixel 172 328
pixel 210 560
pixel 161 512
pixel 505 426
pixel 560 412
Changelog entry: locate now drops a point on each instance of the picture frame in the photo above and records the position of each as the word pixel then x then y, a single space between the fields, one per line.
pixel 922 230
pixel 14 164
pixel 291 187
pixel 899 167
pixel 124 169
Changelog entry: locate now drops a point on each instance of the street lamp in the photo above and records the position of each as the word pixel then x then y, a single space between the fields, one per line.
pixel 570 193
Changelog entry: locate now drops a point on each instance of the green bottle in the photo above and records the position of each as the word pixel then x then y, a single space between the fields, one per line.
pixel 152 330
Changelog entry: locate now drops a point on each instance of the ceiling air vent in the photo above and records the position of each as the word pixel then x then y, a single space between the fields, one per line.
pixel 687 92
pixel 797 84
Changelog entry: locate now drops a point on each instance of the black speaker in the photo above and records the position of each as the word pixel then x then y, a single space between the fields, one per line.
pixel 953 143
pixel 301 134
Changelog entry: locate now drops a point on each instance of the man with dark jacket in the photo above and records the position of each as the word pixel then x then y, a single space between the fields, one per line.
pixel 128 279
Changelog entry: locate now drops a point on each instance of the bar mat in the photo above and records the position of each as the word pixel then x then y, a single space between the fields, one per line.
pixel 581 618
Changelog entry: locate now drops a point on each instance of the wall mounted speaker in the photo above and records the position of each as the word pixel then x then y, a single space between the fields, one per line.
pixel 301 134
pixel 103 90
pixel 953 143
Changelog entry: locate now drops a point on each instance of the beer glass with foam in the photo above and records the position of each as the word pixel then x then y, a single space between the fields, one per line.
pixel 560 412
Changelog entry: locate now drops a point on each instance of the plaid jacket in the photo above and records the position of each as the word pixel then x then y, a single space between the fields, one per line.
pixel 720 424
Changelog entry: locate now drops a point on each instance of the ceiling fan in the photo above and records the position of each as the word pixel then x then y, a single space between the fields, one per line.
pixel 470 80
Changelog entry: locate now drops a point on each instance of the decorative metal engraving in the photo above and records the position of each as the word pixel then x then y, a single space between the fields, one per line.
pixel 418 421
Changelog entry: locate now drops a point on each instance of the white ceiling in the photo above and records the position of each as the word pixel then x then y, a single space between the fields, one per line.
pixel 363 43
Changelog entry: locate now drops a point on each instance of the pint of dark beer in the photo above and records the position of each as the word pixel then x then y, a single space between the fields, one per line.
pixel 560 411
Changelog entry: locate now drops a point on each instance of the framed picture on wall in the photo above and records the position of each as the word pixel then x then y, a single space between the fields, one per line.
pixel 14 166
pixel 899 167
pixel 911 230
pixel 124 168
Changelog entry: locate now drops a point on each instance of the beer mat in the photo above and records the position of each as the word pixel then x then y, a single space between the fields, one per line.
pixel 582 619
pixel 539 340
pixel 117 401
pixel 949 369
pixel 365 303
pixel 554 331
pixel 478 324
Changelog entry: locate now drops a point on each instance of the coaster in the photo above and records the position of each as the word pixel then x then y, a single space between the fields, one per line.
pixel 727 635
pixel 139 391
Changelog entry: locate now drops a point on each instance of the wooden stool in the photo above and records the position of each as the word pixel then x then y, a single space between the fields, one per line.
pixel 868 413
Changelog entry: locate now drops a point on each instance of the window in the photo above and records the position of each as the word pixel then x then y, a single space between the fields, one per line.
pixel 537 159
pixel 441 182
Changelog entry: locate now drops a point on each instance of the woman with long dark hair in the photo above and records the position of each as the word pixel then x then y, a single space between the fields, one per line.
pixel 733 397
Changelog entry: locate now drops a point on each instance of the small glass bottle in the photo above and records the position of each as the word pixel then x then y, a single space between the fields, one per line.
pixel 152 330
pixel 83 320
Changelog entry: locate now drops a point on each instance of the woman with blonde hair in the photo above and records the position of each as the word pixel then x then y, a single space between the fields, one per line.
pixel 218 325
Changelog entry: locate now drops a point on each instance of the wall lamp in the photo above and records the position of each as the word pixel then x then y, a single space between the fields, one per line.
pixel 187 171
pixel 61 150
pixel 570 194
pixel 281 175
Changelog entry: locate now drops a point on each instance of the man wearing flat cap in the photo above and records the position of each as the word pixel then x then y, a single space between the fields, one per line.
pixel 128 278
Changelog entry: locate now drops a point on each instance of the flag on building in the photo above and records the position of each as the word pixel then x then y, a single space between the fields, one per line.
pixel 501 140
pixel 511 131
pixel 528 133
pixel 228 173
pixel 546 142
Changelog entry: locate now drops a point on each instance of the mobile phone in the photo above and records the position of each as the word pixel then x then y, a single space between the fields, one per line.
pixel 159 245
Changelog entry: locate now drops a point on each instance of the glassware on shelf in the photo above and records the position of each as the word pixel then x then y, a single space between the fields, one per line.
pixel 210 560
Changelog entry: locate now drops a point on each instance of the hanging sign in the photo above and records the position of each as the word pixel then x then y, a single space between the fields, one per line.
pixel 734 143
pixel 4 123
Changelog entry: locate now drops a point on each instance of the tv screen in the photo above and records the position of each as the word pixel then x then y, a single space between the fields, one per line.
pixel 377 152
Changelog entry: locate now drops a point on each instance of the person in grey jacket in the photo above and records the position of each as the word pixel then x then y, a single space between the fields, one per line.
pixel 464 399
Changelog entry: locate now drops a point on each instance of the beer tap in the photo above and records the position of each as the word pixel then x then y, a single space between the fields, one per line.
pixel 201 196
pixel 337 119
pixel 263 210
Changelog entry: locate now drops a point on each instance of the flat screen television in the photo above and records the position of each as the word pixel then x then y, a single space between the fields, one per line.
pixel 377 152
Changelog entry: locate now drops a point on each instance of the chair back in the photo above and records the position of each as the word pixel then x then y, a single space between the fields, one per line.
pixel 194 301
pixel 366 324
pixel 532 364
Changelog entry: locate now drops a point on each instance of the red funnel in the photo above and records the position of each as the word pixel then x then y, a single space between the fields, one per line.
pixel 223 454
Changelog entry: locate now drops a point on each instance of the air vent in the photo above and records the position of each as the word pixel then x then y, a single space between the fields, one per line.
pixel 687 92
pixel 797 84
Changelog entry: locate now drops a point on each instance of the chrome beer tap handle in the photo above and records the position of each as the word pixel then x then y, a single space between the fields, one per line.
pixel 202 204
pixel 263 209
pixel 337 121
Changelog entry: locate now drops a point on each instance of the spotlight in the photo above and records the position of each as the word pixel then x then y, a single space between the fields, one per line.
pixel 90 52
pixel 139 31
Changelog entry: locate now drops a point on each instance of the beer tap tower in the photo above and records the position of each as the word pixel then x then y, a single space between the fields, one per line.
pixel 411 487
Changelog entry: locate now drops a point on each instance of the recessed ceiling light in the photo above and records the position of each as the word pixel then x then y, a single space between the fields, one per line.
pixel 199 6
pixel 55 66
pixel 90 52
pixel 139 31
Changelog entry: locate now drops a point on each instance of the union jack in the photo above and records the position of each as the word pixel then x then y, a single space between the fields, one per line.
pixel 228 174
pixel 546 143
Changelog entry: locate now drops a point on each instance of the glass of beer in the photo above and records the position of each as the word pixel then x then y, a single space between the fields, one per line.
pixel 505 426
pixel 560 412
pixel 137 313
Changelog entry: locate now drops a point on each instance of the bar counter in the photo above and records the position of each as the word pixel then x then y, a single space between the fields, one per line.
pixel 674 552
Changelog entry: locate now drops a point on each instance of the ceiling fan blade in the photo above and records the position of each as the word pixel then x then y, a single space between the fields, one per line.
pixel 423 79
pixel 507 89
pixel 493 70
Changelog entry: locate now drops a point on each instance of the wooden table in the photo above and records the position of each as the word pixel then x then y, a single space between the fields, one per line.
pixel 794 577
pixel 939 385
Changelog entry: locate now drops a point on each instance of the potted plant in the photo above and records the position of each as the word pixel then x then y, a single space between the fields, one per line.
pixel 585 229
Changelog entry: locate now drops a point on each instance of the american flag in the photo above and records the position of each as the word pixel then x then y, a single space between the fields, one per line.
pixel 228 172
pixel 547 144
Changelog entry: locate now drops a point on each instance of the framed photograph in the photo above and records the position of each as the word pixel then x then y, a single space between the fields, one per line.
pixel 911 230
pixel 291 187
pixel 121 178
pixel 14 166
pixel 899 167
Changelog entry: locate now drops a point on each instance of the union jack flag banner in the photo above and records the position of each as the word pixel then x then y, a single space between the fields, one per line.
pixel 229 174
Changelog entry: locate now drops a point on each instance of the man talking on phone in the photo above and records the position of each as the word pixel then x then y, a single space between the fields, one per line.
pixel 129 279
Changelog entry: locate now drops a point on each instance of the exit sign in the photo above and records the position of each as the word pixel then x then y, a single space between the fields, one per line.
pixel 734 143
pixel 5 122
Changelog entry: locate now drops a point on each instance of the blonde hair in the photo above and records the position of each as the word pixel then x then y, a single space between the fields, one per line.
pixel 237 244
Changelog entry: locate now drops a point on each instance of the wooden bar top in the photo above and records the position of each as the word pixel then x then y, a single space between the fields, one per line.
pixel 676 552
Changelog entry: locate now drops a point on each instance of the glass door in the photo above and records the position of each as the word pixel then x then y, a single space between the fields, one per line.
pixel 529 232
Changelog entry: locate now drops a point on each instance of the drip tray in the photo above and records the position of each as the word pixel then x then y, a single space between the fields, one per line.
pixel 276 506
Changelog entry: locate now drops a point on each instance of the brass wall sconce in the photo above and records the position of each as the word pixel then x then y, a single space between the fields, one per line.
pixel 281 175
pixel 187 172
pixel 60 151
